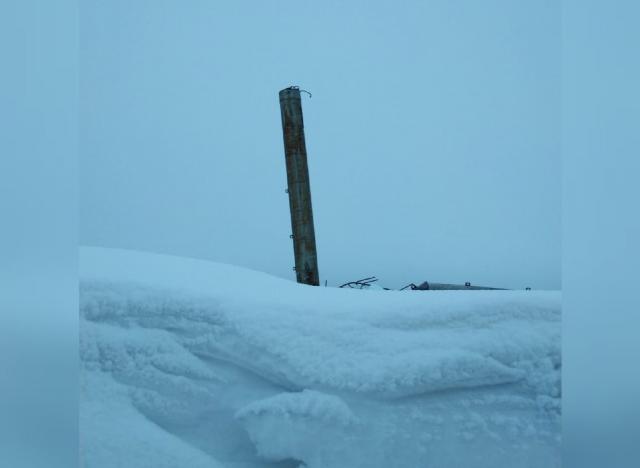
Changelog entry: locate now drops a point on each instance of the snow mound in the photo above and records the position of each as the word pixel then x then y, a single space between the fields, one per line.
pixel 307 404
pixel 246 370
pixel 294 425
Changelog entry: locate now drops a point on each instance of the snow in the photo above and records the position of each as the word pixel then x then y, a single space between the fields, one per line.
pixel 192 363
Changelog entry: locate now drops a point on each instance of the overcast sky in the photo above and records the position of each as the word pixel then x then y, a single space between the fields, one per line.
pixel 433 134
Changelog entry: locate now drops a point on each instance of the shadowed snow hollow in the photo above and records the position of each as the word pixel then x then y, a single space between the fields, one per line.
pixel 191 363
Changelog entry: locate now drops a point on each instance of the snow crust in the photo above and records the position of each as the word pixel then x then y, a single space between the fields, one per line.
pixel 191 363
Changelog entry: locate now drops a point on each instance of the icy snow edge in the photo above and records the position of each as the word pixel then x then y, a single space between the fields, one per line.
pixel 388 344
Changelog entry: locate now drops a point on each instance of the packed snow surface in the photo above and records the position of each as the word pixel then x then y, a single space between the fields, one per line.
pixel 187 363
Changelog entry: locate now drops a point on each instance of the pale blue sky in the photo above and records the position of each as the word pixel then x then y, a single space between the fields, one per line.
pixel 433 134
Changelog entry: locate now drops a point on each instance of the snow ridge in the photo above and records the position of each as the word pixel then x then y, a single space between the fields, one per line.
pixel 211 353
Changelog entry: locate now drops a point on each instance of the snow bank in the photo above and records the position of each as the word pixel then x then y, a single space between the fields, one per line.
pixel 296 425
pixel 242 369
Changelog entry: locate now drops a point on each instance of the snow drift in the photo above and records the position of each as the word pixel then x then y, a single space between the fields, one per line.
pixel 191 363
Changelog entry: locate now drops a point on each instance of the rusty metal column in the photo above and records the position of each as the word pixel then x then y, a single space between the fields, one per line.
pixel 295 152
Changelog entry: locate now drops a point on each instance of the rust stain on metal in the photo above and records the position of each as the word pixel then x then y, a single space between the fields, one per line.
pixel 299 190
